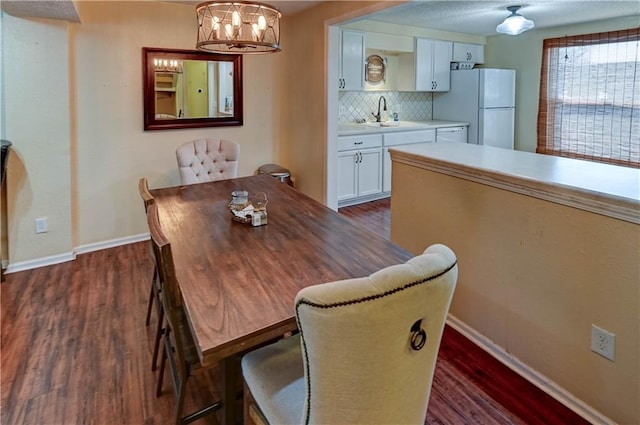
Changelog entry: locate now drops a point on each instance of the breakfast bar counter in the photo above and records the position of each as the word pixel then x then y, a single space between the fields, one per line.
pixel 602 188
pixel 548 248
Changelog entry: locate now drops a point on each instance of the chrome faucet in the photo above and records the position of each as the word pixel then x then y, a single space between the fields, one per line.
pixel 378 117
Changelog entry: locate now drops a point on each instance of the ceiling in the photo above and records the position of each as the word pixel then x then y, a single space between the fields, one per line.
pixel 478 17
pixel 52 9
pixel 481 17
pixel 66 10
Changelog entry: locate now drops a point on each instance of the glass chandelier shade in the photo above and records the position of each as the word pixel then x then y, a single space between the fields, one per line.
pixel 515 23
pixel 238 27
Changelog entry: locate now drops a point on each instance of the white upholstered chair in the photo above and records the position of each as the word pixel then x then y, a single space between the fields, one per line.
pixel 205 160
pixel 365 353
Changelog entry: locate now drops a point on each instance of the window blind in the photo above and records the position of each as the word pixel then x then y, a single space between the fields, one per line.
pixel 590 97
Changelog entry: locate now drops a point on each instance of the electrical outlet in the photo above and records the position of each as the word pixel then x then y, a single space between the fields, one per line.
pixel 41 225
pixel 603 342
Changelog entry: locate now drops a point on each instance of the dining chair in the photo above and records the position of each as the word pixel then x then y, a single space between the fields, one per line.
pixel 156 284
pixel 365 352
pixel 178 345
pixel 205 160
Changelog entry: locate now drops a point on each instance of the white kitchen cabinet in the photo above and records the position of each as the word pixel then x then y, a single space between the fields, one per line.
pixel 359 167
pixel 359 173
pixel 352 53
pixel 451 134
pixel 401 140
pixel 430 70
pixel 465 52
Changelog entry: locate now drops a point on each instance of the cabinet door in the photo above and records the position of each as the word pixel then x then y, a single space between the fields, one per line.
pixel 432 62
pixel 423 64
pixel 463 52
pixel 348 175
pixel 370 172
pixel 442 51
pixel 352 60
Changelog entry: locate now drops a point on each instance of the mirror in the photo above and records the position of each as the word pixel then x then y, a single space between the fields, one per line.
pixel 189 89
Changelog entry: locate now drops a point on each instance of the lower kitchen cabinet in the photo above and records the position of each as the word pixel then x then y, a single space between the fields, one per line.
pixel 359 174
pixel 359 168
pixel 364 162
pixel 401 140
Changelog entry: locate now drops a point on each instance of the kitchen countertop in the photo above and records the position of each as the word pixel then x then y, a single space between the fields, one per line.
pixel 601 188
pixel 353 128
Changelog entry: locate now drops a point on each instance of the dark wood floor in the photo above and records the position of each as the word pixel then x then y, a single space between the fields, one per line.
pixel 75 350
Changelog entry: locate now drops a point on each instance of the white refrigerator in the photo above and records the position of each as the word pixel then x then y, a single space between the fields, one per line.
pixel 485 98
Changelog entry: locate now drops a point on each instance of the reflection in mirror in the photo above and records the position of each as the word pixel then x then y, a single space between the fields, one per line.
pixel 187 89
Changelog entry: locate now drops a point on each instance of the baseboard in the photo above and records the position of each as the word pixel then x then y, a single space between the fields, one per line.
pixel 39 262
pixel 82 249
pixel 536 378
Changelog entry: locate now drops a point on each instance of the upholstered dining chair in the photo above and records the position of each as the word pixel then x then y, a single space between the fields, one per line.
pixel 156 284
pixel 178 344
pixel 205 160
pixel 365 353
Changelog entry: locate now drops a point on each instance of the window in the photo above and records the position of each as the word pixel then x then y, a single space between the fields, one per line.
pixel 590 97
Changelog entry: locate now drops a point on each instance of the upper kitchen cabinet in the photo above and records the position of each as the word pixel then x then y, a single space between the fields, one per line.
pixel 464 52
pixel 427 69
pixel 351 60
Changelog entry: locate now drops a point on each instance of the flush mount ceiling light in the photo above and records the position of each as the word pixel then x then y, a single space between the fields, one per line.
pixel 238 27
pixel 515 23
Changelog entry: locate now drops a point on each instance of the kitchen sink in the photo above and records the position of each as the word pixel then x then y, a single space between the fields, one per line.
pixel 383 124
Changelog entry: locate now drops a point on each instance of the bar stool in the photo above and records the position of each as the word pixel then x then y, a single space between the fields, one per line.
pixel 277 171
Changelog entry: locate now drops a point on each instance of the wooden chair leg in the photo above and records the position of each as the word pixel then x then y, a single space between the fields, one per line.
pixel 156 345
pixel 163 362
pixel 150 305
pixel 180 402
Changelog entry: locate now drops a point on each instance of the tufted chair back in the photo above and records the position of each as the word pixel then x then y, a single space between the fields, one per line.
pixel 367 348
pixel 205 160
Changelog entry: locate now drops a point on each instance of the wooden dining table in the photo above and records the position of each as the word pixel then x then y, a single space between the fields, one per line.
pixel 239 282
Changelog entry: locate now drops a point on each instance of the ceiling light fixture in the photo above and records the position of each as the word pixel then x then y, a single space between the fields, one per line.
pixel 515 23
pixel 238 27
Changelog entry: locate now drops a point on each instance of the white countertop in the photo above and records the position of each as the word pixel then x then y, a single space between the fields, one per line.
pixel 353 128
pixel 602 188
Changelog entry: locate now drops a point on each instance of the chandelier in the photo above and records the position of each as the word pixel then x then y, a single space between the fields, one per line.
pixel 238 27
pixel 167 65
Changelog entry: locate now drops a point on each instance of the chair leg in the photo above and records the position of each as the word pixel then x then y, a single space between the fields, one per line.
pixel 151 296
pixel 149 307
pixel 156 346
pixel 180 402
pixel 163 362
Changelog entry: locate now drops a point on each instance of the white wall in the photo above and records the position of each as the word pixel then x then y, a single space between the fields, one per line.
pixel 524 54
pixel 74 113
pixel 37 121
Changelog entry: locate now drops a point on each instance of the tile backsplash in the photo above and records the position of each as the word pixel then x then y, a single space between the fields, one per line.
pixel 410 106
